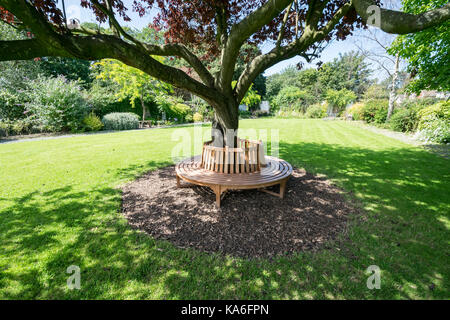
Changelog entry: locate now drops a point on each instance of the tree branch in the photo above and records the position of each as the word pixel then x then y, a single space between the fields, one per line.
pixel 283 25
pixel 182 51
pixel 334 21
pixel 240 32
pixel 310 36
pixel 114 23
pixel 167 50
pixel 26 49
pixel 95 47
pixel 30 17
pixel 397 22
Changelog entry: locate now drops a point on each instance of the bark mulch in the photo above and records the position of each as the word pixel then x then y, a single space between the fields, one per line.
pixel 250 223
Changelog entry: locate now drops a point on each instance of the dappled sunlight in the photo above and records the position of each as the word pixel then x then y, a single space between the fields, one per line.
pixel 77 221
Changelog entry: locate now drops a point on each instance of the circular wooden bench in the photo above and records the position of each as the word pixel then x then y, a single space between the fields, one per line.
pixel 274 171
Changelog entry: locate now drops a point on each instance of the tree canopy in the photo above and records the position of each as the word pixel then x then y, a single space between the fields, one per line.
pixel 349 71
pixel 133 83
pixel 427 52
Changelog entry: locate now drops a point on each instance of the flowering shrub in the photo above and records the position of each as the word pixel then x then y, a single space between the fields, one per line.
pixel 57 104
pixel 121 121
pixel 434 123
pixel 92 123
pixel 316 111
pixel 375 111
pixel 198 117
pixel 356 110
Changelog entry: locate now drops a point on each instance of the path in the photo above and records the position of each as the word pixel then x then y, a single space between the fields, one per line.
pixel 49 136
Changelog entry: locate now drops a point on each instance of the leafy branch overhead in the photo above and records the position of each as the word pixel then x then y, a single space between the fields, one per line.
pixel 218 28
pixel 133 83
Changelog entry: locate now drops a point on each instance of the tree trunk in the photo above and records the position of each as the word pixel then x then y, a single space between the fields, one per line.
pixel 225 123
pixel 392 93
pixel 144 108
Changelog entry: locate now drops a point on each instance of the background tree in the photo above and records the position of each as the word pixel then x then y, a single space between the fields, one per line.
pixel 378 54
pixel 339 99
pixel 133 83
pixel 287 77
pixel 251 99
pixel 220 27
pixel 293 98
pixel 349 71
pixel 72 69
pixel 427 52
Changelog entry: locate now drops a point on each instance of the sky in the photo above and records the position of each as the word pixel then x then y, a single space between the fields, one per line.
pixel 74 10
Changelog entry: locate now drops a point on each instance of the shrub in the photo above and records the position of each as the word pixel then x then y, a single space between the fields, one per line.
pixel 5 128
pixel 380 115
pixel 18 127
pixel 356 110
pixel 198 117
pixel 339 99
pixel 22 126
pixel 316 111
pixel 404 120
pixel 418 104
pixel 437 130
pixel 92 123
pixel 178 111
pixel 376 91
pixel 434 123
pixel 12 103
pixel 189 118
pixel 261 113
pixel 244 114
pixel 121 121
pixel 57 104
pixel 437 111
pixel 290 113
pixel 375 111
pixel 292 98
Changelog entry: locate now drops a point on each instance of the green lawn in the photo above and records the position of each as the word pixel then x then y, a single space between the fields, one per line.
pixel 59 205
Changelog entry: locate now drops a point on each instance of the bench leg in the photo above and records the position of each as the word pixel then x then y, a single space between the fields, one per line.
pixel 218 194
pixel 282 188
pixel 218 190
pixel 281 193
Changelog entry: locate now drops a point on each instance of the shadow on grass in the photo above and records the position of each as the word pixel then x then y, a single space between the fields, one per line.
pixel 404 193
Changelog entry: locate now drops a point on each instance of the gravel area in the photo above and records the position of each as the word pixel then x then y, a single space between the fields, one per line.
pixel 250 223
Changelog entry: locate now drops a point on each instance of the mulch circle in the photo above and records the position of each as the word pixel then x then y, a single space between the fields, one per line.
pixel 250 223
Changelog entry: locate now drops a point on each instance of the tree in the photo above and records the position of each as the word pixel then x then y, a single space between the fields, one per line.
pixel 338 100
pixel 379 55
pixel 133 83
pixel 427 52
pixel 287 77
pixel 292 98
pixel 71 69
pixel 308 79
pixel 251 99
pixel 349 71
pixel 220 27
